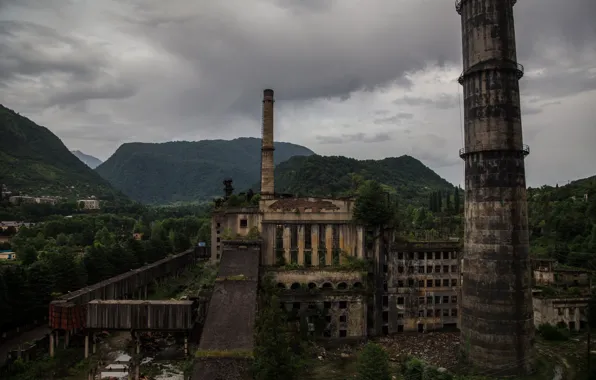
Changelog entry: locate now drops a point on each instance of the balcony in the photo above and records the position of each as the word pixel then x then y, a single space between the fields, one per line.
pixel 463 152
pixel 458 5
pixel 519 70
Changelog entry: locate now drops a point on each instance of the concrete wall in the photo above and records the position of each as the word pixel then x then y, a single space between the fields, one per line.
pixel 239 220
pixel 318 278
pixel 140 315
pixel 570 311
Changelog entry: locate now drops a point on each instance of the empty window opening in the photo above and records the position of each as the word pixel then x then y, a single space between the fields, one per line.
pixel 342 286
pixel 420 327
pixel 327 285
pixel 385 286
pixel 281 285
pixel 343 318
pixel 307 236
pixel 327 333
pixel 343 304
pixel 400 300
pixel 296 306
pixel 295 286
pixel 312 285
pixel 326 305
pixel 400 328
pixel 385 330
pixel 454 312
pixel 328 318
pixel 343 333
pixel 243 223
pixel 429 283
pixel 358 285
pixel 385 316
pixel 385 301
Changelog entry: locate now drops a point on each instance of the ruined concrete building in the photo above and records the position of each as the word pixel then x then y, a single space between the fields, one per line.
pixel 310 247
pixel 497 328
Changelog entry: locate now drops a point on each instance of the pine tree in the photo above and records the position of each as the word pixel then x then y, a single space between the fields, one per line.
pixel 373 363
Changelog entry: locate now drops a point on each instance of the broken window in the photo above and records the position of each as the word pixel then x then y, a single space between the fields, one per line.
pixel 400 255
pixel 400 283
pixel 343 304
pixel 421 300
pixel 454 312
pixel 453 299
pixel 454 268
pixel 437 300
pixel 437 255
pixel 453 282
pixel 429 269
pixel 445 312
pixel 429 300
pixel 343 333
pixel 243 223
pixel 421 283
pixel 429 283
pixel 400 316
pixel 307 237
pixel 385 316
pixel 445 255
pixel 343 318
pixel 445 282
pixel 429 312
pixel 445 299
pixel 400 300
pixel 437 283
pixel 327 305
pixel 385 301
pixel 410 282
pixel 400 269
pixel 420 269
pixel 437 269
pixel 445 268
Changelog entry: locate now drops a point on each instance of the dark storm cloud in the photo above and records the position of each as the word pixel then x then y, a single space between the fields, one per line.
pixel 356 137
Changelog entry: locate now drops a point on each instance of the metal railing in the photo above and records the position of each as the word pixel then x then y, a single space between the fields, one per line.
pixel 463 152
pixel 519 72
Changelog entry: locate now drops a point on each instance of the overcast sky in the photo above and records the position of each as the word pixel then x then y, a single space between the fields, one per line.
pixel 361 78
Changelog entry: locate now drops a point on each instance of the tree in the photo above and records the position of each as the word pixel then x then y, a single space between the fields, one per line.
pixel 373 363
pixel 373 207
pixel 28 255
pixel 274 357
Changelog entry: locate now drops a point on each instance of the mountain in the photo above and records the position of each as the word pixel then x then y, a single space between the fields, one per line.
pixel 562 221
pixel 88 160
pixel 34 161
pixel 339 176
pixel 183 171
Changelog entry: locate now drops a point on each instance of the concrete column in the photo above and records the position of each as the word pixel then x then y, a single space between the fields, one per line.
pixel 359 242
pixel 94 344
pixel 86 346
pixel 52 344
pixel 314 239
pixel 301 244
pixel 329 244
pixel 138 343
pixel 344 234
pixel 287 244
pixel 185 345
pixel 145 293
pixel 66 338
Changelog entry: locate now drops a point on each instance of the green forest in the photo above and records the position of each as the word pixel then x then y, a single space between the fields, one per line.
pixel 186 171
pixel 336 176
pixel 34 161
pixel 66 253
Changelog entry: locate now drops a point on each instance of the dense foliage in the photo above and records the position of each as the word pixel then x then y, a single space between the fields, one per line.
pixel 373 363
pixel 64 254
pixel 34 161
pixel 278 352
pixel 183 171
pixel 335 176
pixel 562 222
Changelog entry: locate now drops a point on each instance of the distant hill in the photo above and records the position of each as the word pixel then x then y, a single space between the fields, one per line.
pixel 88 160
pixel 338 176
pixel 34 161
pixel 183 171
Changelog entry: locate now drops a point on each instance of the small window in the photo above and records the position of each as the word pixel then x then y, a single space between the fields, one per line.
pixel 343 333
pixel 343 318
pixel 243 223
pixel 343 304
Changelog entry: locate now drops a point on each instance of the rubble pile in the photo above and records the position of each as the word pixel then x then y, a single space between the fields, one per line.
pixel 439 349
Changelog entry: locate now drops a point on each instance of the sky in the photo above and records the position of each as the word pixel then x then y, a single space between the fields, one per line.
pixel 362 78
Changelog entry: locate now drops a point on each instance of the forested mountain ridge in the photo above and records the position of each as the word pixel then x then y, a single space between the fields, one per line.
pixel 562 221
pixel 334 176
pixel 87 159
pixel 182 171
pixel 34 161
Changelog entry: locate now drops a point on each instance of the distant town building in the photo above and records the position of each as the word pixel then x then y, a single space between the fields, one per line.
pixel 137 236
pixel 89 204
pixel 5 225
pixel 19 199
pixel 8 255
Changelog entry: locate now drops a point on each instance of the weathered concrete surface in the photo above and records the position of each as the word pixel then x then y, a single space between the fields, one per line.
pixel 160 315
pixel 571 311
pixel 497 328
pixel 229 326
pixel 267 165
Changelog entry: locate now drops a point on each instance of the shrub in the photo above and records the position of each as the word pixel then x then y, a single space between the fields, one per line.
pixel 373 363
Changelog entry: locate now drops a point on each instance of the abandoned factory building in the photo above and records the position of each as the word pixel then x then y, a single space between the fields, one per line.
pixel 309 247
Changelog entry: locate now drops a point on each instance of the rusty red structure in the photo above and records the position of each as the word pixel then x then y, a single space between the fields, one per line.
pixel 69 312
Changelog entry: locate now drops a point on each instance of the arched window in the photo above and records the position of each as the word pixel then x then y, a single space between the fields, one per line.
pixel 312 285
pixel 281 285
pixel 295 286
pixel 342 286
pixel 327 285
pixel 358 285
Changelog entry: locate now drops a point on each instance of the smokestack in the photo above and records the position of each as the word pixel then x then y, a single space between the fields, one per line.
pixel 267 166
pixel 497 326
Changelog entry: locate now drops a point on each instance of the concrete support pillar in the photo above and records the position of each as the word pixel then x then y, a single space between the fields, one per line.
pixel 138 343
pixel 287 244
pixel 329 244
pixel 301 244
pixel 66 338
pixel 344 234
pixel 52 344
pixel 94 344
pixel 314 239
pixel 185 345
pixel 360 246
pixel 86 346
pixel 145 293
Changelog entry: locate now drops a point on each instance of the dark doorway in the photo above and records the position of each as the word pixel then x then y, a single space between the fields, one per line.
pixel 420 327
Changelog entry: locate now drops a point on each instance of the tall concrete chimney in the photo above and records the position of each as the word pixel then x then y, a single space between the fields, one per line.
pixel 497 327
pixel 267 166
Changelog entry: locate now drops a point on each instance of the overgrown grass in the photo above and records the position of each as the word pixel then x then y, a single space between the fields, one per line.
pixel 247 354
pixel 190 282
